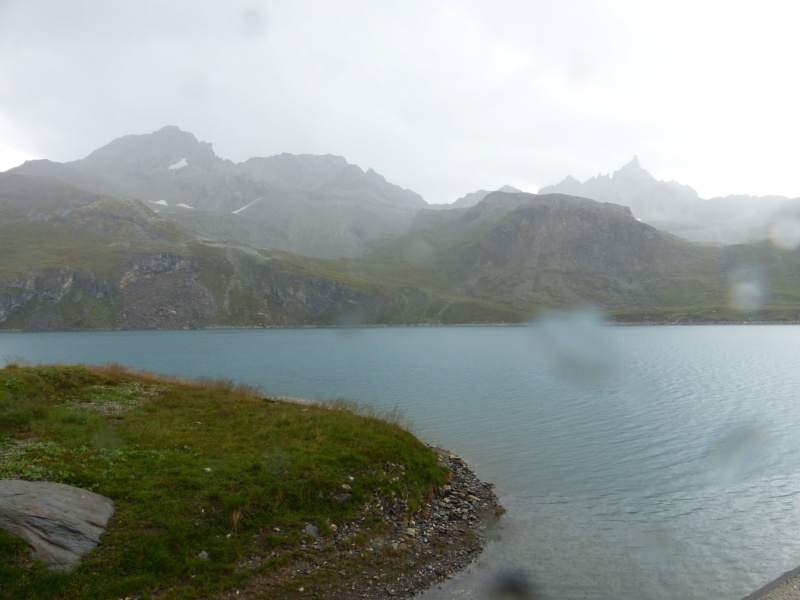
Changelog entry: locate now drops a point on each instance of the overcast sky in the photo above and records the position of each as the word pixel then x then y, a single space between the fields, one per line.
pixel 441 97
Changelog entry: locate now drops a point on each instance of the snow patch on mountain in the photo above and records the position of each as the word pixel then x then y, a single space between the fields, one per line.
pixel 238 210
pixel 179 165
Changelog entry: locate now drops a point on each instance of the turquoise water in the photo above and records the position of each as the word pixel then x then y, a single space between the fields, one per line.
pixel 635 462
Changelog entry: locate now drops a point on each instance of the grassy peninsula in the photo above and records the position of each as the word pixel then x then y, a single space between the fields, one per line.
pixel 218 488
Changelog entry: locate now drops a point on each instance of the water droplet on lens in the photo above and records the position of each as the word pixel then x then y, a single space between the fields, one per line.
pixel 578 344
pixel 748 291
pixel 253 22
pixel 747 296
pixel 351 318
pixel 418 251
pixel 511 585
pixel 785 233
pixel 656 548
pixel 736 453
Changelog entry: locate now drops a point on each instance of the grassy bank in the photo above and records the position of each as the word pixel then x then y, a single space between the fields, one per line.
pixel 214 483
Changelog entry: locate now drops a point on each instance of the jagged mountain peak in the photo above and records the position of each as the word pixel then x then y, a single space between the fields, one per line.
pixel 633 164
pixel 633 170
pixel 651 200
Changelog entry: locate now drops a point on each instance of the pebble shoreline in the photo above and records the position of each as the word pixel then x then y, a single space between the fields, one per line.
pixel 785 587
pixel 438 541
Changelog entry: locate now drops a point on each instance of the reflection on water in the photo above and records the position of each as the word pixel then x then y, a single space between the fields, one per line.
pixel 678 478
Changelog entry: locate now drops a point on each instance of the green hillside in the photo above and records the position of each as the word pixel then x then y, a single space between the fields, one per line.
pixel 70 259
pixel 216 486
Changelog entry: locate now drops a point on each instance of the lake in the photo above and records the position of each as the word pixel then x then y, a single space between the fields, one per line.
pixel 634 462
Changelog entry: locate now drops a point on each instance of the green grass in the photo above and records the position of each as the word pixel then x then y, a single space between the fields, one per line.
pixel 193 467
pixel 38 246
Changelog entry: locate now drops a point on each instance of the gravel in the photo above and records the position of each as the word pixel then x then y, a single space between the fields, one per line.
pixel 440 539
pixel 786 587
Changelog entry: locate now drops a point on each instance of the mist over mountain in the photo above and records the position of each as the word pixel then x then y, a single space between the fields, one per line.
pixel 312 205
pixel 677 208
pixel 156 231
pixel 473 198
pixel 323 206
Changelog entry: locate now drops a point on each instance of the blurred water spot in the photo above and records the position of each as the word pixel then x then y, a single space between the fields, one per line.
pixel 785 233
pixel 418 251
pixel 107 439
pixel 747 296
pixel 736 454
pixel 656 548
pixel 275 462
pixel 194 88
pixel 253 22
pixel 350 321
pixel 511 585
pixel 578 344
pixel 748 292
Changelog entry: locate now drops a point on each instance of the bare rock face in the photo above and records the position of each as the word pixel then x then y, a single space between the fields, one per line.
pixel 60 522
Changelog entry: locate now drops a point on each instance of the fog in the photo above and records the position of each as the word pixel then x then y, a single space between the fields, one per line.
pixel 443 98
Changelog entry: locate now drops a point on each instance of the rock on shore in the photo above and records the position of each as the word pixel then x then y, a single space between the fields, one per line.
pixel 60 522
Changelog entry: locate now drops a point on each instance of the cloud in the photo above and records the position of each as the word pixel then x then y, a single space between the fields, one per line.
pixel 442 97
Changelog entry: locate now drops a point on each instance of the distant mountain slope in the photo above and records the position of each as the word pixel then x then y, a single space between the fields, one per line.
pixel 473 198
pixel 63 172
pixel 677 208
pixel 157 231
pixel 530 250
pixel 72 259
pixel 312 205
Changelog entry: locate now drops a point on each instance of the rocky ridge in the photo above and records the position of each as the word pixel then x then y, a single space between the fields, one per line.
pixel 678 209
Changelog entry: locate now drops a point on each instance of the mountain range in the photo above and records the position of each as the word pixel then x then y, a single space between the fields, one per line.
pixel 156 231
pixel 311 205
pixel 678 209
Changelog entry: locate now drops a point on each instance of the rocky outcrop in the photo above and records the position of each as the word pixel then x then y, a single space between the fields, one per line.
pixel 60 522
pixel 48 288
pixel 162 291
pixel 168 290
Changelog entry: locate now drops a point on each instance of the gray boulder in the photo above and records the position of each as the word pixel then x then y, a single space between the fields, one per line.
pixel 60 522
